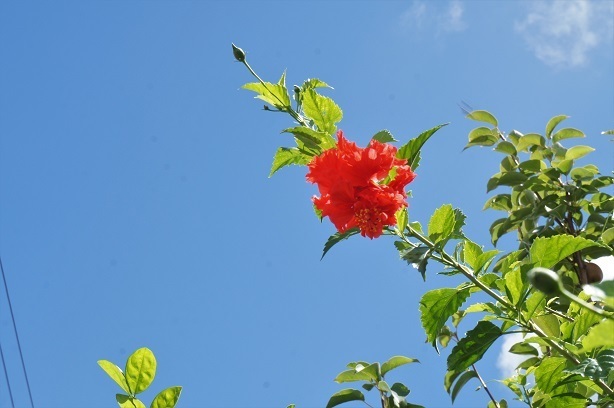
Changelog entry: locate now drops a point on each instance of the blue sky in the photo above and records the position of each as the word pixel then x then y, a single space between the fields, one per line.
pixel 135 206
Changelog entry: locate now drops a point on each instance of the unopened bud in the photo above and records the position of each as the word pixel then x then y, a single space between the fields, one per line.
pixel 545 280
pixel 238 53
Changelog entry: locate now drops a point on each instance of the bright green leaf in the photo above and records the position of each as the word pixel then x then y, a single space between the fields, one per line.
pixel 286 156
pixel 547 252
pixel 564 166
pixel 483 116
pixel 506 148
pixel 402 218
pixel 126 401
pixel 371 372
pixel 513 285
pixel 552 123
pixel 600 335
pixel 482 136
pixel 115 373
pixel 140 370
pixel 549 373
pixel 603 291
pixel 167 398
pixel 322 110
pixel 338 237
pixel 567 133
pixel 395 362
pixel 437 306
pixel 472 347
pixel 344 396
pixel 273 94
pixel 576 152
pixel 442 223
pixel 314 83
pixel 312 138
pixel 384 136
pixel 530 139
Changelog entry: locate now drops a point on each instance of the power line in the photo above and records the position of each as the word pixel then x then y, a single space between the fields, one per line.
pixel 23 365
pixel 6 374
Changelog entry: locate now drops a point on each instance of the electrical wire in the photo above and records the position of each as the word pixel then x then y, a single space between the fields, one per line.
pixel 23 365
pixel 6 374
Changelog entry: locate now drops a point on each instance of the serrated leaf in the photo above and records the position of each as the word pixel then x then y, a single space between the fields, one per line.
pixel 443 224
pixel 273 94
pixel 483 116
pixel 384 136
pixel 115 373
pixel 140 370
pixel 549 373
pixel 471 252
pixel 566 133
pixel 285 156
pixel 344 396
pixel 126 401
pixel 311 138
pixel 472 347
pixel 338 237
pixel 576 152
pixel 462 380
pixel 167 398
pixel 547 252
pixel 313 83
pixel 552 123
pixel 411 150
pixel 395 362
pixel 600 335
pixel 322 110
pixel 437 306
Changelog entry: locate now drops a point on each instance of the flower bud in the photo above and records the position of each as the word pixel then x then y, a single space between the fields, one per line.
pixel 545 280
pixel 238 53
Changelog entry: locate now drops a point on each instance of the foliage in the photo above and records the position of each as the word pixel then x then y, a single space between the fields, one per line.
pixel 138 375
pixel 547 288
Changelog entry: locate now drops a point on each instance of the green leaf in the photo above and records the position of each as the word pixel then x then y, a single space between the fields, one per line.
pixel 608 132
pixel 530 139
pixel 463 379
pixel 384 136
pixel 549 373
pixel 344 396
pixel 395 362
pixel 577 152
pixel 524 348
pixel 126 401
pixel 313 83
pixel 482 136
pixel 471 253
pixel 603 291
pixel 510 178
pixel 338 237
pixel 547 252
pixel 322 110
pixel 483 116
pixel 115 373
pixel 552 123
pixel 401 389
pixel 273 94
pixel 437 306
pixel 311 138
pixel 502 202
pixel 600 335
pixel 564 166
pixel 371 372
pixel 596 368
pixel 411 150
pixel 506 148
pixel 167 398
pixel 441 224
pixel 513 285
pixel 286 156
pixel 567 133
pixel 472 347
pixel 140 370
pixel 402 219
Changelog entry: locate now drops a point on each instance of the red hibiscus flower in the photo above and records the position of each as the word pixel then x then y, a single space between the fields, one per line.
pixel 353 192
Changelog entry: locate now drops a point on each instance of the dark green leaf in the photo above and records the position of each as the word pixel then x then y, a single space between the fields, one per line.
pixel 502 202
pixel 472 347
pixel 510 178
pixel 437 306
pixel 384 136
pixel 400 389
pixel 524 348
pixel 395 362
pixel 462 380
pixel 411 150
pixel 337 237
pixel 344 396
pixel 167 398
pixel 483 116
pixel 596 368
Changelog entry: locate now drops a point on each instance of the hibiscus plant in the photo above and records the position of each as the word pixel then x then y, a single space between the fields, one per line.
pixel 548 288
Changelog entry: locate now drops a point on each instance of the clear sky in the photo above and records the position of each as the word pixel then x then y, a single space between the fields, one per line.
pixel 135 208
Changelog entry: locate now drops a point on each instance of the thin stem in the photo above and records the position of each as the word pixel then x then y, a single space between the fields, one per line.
pixel 585 304
pixel 367 404
pixel 494 401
